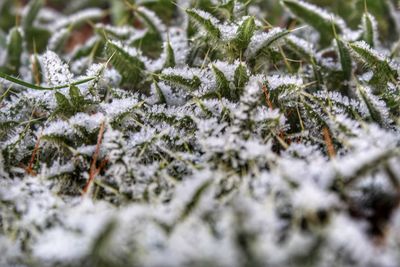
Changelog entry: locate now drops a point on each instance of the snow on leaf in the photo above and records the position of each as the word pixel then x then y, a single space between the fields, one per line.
pixel 56 72
pixel 263 40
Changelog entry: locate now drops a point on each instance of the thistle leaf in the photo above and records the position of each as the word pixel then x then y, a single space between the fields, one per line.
pixel 192 82
pixel 14 50
pixel 153 22
pixel 245 32
pixel 77 99
pixel 380 64
pixel 33 9
pixel 376 107
pixel 160 93
pixel 63 104
pixel 222 82
pixel 126 60
pixel 241 77
pixel 58 40
pixel 316 17
pixel 305 50
pixel 370 29
pixel 206 20
pixel 345 58
pixel 170 59
pixel 264 40
pixel 78 18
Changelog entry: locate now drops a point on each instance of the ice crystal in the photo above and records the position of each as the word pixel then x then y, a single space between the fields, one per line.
pixel 204 133
pixel 259 40
pixel 55 71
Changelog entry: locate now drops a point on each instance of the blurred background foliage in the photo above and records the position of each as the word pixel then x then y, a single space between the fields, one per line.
pixel 116 11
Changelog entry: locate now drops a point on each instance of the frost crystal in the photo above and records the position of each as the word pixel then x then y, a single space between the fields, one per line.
pixel 93 13
pixel 260 40
pixel 196 133
pixel 55 71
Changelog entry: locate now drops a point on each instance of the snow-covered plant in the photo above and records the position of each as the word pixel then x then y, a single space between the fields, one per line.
pixel 201 133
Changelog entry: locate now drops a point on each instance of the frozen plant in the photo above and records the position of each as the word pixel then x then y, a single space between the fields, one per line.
pixel 199 133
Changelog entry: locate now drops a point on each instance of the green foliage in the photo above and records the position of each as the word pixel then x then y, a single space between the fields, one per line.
pixel 170 60
pixel 369 29
pixel 205 20
pixel 384 69
pixel 36 87
pixel 316 18
pixel 222 81
pixel 345 59
pixel 32 12
pixel 189 83
pixel 265 41
pixel 245 32
pixel 128 64
pixel 14 50
pixel 76 102
pixel 241 77
pixel 174 133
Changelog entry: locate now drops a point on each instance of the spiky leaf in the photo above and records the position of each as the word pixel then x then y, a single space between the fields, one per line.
pixel 206 20
pixel 126 61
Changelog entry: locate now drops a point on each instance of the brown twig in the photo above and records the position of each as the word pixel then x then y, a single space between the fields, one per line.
pixel 29 170
pixel 102 164
pixel 328 141
pixel 93 169
pixel 267 97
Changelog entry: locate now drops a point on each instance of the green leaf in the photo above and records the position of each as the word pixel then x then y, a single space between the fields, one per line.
pixel 377 109
pixel 206 20
pixel 77 99
pixel 101 246
pixel 301 48
pixel 57 139
pixel 36 70
pixel 380 64
pixel 37 87
pixel 57 41
pixel 245 32
pixel 319 19
pixel 118 12
pixel 117 119
pixel 191 205
pixel 317 73
pixel 345 59
pixel 369 28
pixel 160 93
pixel 170 60
pixel 222 82
pixel 14 50
pixel 191 84
pixel 80 17
pixel 227 9
pixel 63 103
pixel 37 39
pixel 3 39
pixel 129 66
pixel 34 7
pixel 264 41
pixel 241 76
pixel 313 113
pixel 153 22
